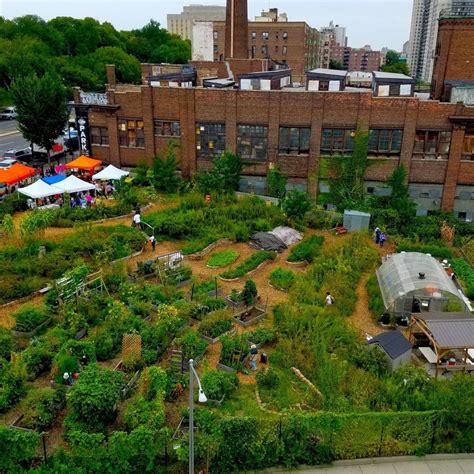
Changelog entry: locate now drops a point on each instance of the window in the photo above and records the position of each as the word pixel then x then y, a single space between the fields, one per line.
pixel 210 139
pixel 131 133
pixel 165 128
pixel 265 35
pixel 265 51
pixel 468 147
pixel 252 142
pixel 99 136
pixel 216 35
pixel 432 145
pixel 216 49
pixel 285 35
pixel 254 51
pixel 337 141
pixel 276 49
pixel 254 35
pixel 385 141
pixel 276 35
pixel 462 216
pixel 294 141
pixel 285 49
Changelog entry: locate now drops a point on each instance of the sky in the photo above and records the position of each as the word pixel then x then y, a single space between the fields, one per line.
pixel 376 22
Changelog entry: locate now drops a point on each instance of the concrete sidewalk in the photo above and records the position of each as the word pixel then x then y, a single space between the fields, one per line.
pixel 432 464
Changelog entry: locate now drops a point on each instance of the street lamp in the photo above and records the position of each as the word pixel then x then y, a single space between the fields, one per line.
pixel 202 399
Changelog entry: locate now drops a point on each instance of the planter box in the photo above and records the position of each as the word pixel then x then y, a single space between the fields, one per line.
pixel 239 304
pixel 209 294
pixel 298 264
pixel 16 425
pixel 250 316
pixel 33 332
pixel 208 249
pixel 277 288
pixel 226 368
pixel 216 339
pixel 182 283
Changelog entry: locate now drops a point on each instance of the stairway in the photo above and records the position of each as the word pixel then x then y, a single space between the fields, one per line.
pixel 177 361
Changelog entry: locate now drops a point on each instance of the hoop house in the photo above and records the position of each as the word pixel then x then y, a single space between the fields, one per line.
pixel 413 282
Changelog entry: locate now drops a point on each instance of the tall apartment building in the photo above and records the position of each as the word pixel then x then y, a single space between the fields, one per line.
pixel 272 15
pixel 338 33
pixel 182 23
pixel 423 34
pixel 355 59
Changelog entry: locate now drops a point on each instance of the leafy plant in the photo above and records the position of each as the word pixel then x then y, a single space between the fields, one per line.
pixel 282 279
pixel 262 336
pixel 164 170
pixel 465 273
pixel 41 406
pixel 249 293
pixel 222 259
pixel 6 343
pixel 307 249
pixel 296 204
pixel 276 183
pixel 217 384
pixel 224 175
pixel 29 317
pixel 191 345
pixel 249 264
pixel 215 324
pixel 268 379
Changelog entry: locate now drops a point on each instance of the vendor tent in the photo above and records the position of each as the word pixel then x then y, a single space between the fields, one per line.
pixel 111 172
pixel 16 173
pixel 54 179
pixel 40 189
pixel 84 163
pixel 73 184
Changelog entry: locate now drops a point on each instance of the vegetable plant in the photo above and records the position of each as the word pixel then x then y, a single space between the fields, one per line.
pixel 41 406
pixel 222 259
pixel 29 317
pixel 251 263
pixel 282 279
pixel 307 249
pixel 215 324
pixel 217 384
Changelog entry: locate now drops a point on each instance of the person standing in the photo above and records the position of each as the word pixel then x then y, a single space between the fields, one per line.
pixel 377 233
pixel 137 220
pixel 383 238
pixel 329 299
pixel 152 242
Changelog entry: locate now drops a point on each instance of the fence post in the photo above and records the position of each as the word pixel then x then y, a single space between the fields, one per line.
pixel 279 430
pixel 44 449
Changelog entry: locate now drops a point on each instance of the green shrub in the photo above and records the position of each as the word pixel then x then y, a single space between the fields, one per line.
pixel 307 249
pixel 282 279
pixel 18 448
pixel 251 263
pixel 376 304
pixel 370 358
pixel 6 343
pixel 222 259
pixel 249 293
pixel 465 273
pixel 206 306
pixel 232 345
pixel 29 317
pixel 191 345
pixel 11 385
pixel 268 379
pixel 262 336
pixel 105 346
pixel 41 406
pixel 296 204
pixel 436 251
pixel 217 384
pixel 215 324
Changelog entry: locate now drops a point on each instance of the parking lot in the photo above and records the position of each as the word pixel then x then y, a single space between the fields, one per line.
pixel 10 137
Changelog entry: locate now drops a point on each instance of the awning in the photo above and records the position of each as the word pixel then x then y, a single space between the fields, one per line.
pixel 73 184
pixel 111 172
pixel 40 189
pixel 16 173
pixel 54 179
pixel 84 163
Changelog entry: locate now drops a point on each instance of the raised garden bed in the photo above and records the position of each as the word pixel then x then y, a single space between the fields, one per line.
pixel 222 259
pixel 248 266
pixel 249 316
pixel 216 339
pixel 208 249
pixel 33 332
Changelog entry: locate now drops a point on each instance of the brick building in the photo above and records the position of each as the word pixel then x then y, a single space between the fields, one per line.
pixel 295 130
pixel 294 43
pixel 454 57
pixel 353 59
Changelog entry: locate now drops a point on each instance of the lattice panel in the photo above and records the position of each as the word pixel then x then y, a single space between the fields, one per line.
pixel 132 346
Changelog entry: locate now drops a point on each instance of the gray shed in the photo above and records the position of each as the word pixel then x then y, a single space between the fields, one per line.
pixel 355 220
pixel 396 347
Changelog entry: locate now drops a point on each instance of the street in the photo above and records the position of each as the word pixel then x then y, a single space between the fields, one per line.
pixel 10 137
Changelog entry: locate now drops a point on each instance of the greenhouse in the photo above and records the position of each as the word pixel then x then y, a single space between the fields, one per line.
pixel 412 282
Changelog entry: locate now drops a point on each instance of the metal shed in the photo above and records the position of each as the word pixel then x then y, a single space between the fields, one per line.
pixel 396 348
pixel 355 220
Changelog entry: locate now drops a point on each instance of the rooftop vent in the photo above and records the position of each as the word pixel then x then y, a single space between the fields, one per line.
pixel 421 276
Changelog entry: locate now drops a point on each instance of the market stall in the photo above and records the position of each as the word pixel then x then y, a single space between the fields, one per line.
pixel 73 184
pixel 110 173
pixel 84 163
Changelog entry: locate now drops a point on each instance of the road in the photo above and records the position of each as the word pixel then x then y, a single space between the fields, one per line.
pixel 10 137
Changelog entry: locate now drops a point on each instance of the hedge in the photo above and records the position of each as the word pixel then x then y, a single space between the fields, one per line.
pixel 436 251
pixel 466 273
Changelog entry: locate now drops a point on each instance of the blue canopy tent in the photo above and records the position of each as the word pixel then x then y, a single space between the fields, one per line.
pixel 54 179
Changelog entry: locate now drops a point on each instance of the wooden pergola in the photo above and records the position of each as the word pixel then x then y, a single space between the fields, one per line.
pixel 446 332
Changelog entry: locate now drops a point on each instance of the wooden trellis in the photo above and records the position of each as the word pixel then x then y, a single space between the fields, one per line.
pixel 132 346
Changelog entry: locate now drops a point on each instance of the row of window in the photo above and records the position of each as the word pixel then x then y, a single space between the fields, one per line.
pixel 266 35
pixel 252 140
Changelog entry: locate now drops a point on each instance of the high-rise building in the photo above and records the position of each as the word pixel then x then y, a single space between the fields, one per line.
pixel 236 30
pixel 272 15
pixel 423 33
pixel 338 32
pixel 182 23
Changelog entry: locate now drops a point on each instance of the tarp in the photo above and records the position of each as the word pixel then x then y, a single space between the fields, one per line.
pixel 73 184
pixel 54 179
pixel 111 172
pixel 84 163
pixel 40 189
pixel 16 173
pixel 267 241
pixel 288 235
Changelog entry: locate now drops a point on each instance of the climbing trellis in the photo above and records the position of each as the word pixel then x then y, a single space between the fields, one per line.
pixel 132 346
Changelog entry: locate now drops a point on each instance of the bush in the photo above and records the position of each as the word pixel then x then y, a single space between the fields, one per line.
pixel 251 263
pixel 370 358
pixel 436 251
pixel 268 379
pixel 18 448
pixel 29 317
pixel 307 249
pixel 222 259
pixel 215 324
pixel 262 336
pixel 466 273
pixel 376 304
pixel 232 345
pixel 6 343
pixel 296 204
pixel 249 293
pixel 217 384
pixel 191 345
pixel 41 407
pixel 282 279
pixel 11 385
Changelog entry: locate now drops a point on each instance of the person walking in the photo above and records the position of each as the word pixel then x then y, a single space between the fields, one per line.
pixel 152 242
pixel 137 220
pixel 329 299
pixel 383 238
pixel 253 357
pixel 377 233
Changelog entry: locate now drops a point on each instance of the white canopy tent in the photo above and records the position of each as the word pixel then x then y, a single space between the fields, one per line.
pixel 72 184
pixel 40 189
pixel 111 172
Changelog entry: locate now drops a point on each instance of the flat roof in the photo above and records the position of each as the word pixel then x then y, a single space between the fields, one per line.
pixel 328 72
pixel 276 73
pixel 391 75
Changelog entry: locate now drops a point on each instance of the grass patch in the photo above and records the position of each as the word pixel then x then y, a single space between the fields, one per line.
pixel 307 249
pixel 282 279
pixel 251 263
pixel 222 259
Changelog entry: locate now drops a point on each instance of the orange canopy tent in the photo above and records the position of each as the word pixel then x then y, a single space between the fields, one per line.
pixel 84 163
pixel 16 173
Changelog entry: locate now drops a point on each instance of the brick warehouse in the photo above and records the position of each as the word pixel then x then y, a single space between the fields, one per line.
pixel 292 129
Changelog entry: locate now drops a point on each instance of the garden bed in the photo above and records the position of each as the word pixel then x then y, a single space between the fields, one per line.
pixel 208 249
pixel 249 316
pixel 216 339
pixel 222 259
pixel 248 266
pixel 33 332
pixel 131 379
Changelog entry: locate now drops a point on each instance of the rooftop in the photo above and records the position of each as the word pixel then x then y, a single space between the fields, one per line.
pixel 391 75
pixel 328 72
pixel 393 343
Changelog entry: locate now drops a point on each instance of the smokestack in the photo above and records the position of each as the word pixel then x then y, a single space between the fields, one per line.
pixel 236 30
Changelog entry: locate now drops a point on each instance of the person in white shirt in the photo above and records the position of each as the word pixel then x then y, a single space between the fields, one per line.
pixel 329 299
pixel 137 220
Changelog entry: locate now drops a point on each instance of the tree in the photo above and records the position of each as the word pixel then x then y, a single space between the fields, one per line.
pixel 392 57
pixel 41 108
pixel 164 170
pixel 224 175
pixel 276 183
pixel 399 68
pixel 296 204
pixel 333 64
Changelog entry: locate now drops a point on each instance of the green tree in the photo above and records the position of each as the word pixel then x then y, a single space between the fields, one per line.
pixel 276 183
pixel 296 204
pixel 224 175
pixel 398 68
pixel 164 170
pixel 41 108
pixel 333 64
pixel 392 57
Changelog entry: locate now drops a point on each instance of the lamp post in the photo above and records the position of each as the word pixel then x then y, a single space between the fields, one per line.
pixel 202 399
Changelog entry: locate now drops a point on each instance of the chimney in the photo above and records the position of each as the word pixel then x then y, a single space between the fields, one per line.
pixel 111 80
pixel 236 30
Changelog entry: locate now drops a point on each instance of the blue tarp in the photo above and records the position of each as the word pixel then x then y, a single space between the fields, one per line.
pixel 54 179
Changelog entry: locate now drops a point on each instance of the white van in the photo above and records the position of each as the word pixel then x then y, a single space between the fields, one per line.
pixel 8 113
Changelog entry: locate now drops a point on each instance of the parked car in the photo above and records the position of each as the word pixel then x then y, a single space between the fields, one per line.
pixel 23 154
pixel 6 164
pixel 8 113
